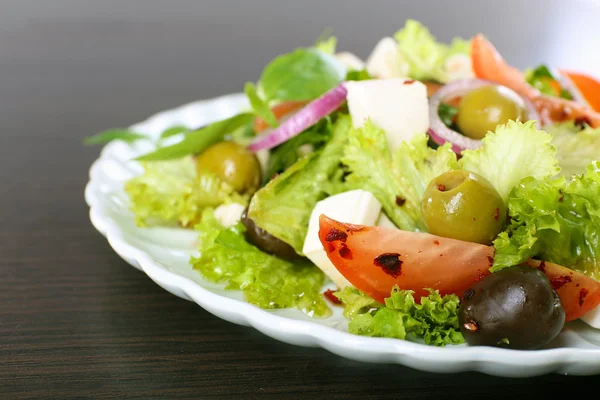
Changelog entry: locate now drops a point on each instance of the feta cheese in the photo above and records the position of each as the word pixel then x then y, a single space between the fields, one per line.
pixel 384 222
pixel 353 207
pixel 385 62
pixel 229 214
pixel 397 106
pixel 592 318
pixel 350 61
pixel 459 66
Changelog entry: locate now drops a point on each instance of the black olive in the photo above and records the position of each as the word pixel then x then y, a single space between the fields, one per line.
pixel 514 308
pixel 267 242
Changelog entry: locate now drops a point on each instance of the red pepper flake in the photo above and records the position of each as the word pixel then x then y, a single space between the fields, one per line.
pixel 441 188
pixel 409 82
pixel 497 214
pixel 582 293
pixel 441 254
pixel 331 297
pixel 345 252
pixel 471 326
pixel 561 196
pixel 542 266
pixel 577 285
pixel 490 260
pixel 420 251
pixel 436 242
pixel 559 281
pixel 336 234
pixel 400 201
pixel 390 263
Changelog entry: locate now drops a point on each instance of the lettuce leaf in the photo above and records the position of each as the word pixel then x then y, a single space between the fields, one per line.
pixel 283 206
pixel 424 55
pixel 515 151
pixel 266 281
pixel 435 319
pixel 575 148
pixel 555 220
pixel 397 180
pixel 170 192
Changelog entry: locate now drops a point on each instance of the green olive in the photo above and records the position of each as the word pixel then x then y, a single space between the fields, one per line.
pixel 465 206
pixel 232 163
pixel 482 109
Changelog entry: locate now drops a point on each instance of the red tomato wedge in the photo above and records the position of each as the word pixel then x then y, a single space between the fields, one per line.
pixel 280 111
pixel 489 64
pixel 578 293
pixel 588 86
pixel 374 259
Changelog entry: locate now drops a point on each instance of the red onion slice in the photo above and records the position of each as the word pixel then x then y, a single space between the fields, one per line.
pixel 302 120
pixel 441 134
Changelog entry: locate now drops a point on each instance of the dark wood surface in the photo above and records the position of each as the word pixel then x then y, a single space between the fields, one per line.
pixel 78 322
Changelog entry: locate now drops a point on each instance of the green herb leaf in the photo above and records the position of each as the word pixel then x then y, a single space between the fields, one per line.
pixel 197 141
pixel 447 114
pixel 544 80
pixel 358 75
pixel 107 136
pixel 304 74
pixel 261 108
pixel 175 130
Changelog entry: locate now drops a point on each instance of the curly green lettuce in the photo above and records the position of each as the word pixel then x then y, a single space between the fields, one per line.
pixel 575 147
pixel 424 56
pixel 398 180
pixel 434 320
pixel 514 151
pixel 283 206
pixel 170 193
pixel 266 281
pixel 555 220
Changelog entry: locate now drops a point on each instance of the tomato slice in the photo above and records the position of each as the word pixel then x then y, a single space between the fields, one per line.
pixel 280 111
pixel 489 64
pixel 374 259
pixel 578 292
pixel 588 86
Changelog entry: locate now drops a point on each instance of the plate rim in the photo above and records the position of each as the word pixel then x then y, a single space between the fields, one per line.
pixel 488 360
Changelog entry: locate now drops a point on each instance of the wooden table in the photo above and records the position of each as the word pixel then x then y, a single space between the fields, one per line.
pixel 78 322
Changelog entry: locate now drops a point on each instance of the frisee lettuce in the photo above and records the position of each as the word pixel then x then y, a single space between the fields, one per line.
pixel 575 147
pixel 555 220
pixel 283 206
pixel 434 320
pixel 424 55
pixel 266 281
pixel 170 192
pixel 515 151
pixel 397 180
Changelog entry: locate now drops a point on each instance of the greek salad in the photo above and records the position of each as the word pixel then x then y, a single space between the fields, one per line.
pixel 439 193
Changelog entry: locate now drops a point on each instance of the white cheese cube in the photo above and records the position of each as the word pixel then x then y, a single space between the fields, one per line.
pixel 385 222
pixel 229 214
pixel 592 318
pixel 353 207
pixel 397 106
pixel 350 61
pixel 459 66
pixel 385 62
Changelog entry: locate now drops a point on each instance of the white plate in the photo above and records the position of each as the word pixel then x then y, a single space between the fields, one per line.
pixel 163 254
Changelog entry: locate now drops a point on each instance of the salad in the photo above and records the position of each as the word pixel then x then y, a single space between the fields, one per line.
pixel 435 192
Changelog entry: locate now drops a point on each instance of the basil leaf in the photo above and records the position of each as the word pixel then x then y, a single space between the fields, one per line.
pixel 260 108
pixel 358 75
pixel 447 113
pixel 175 130
pixel 124 135
pixel 304 74
pixel 198 140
